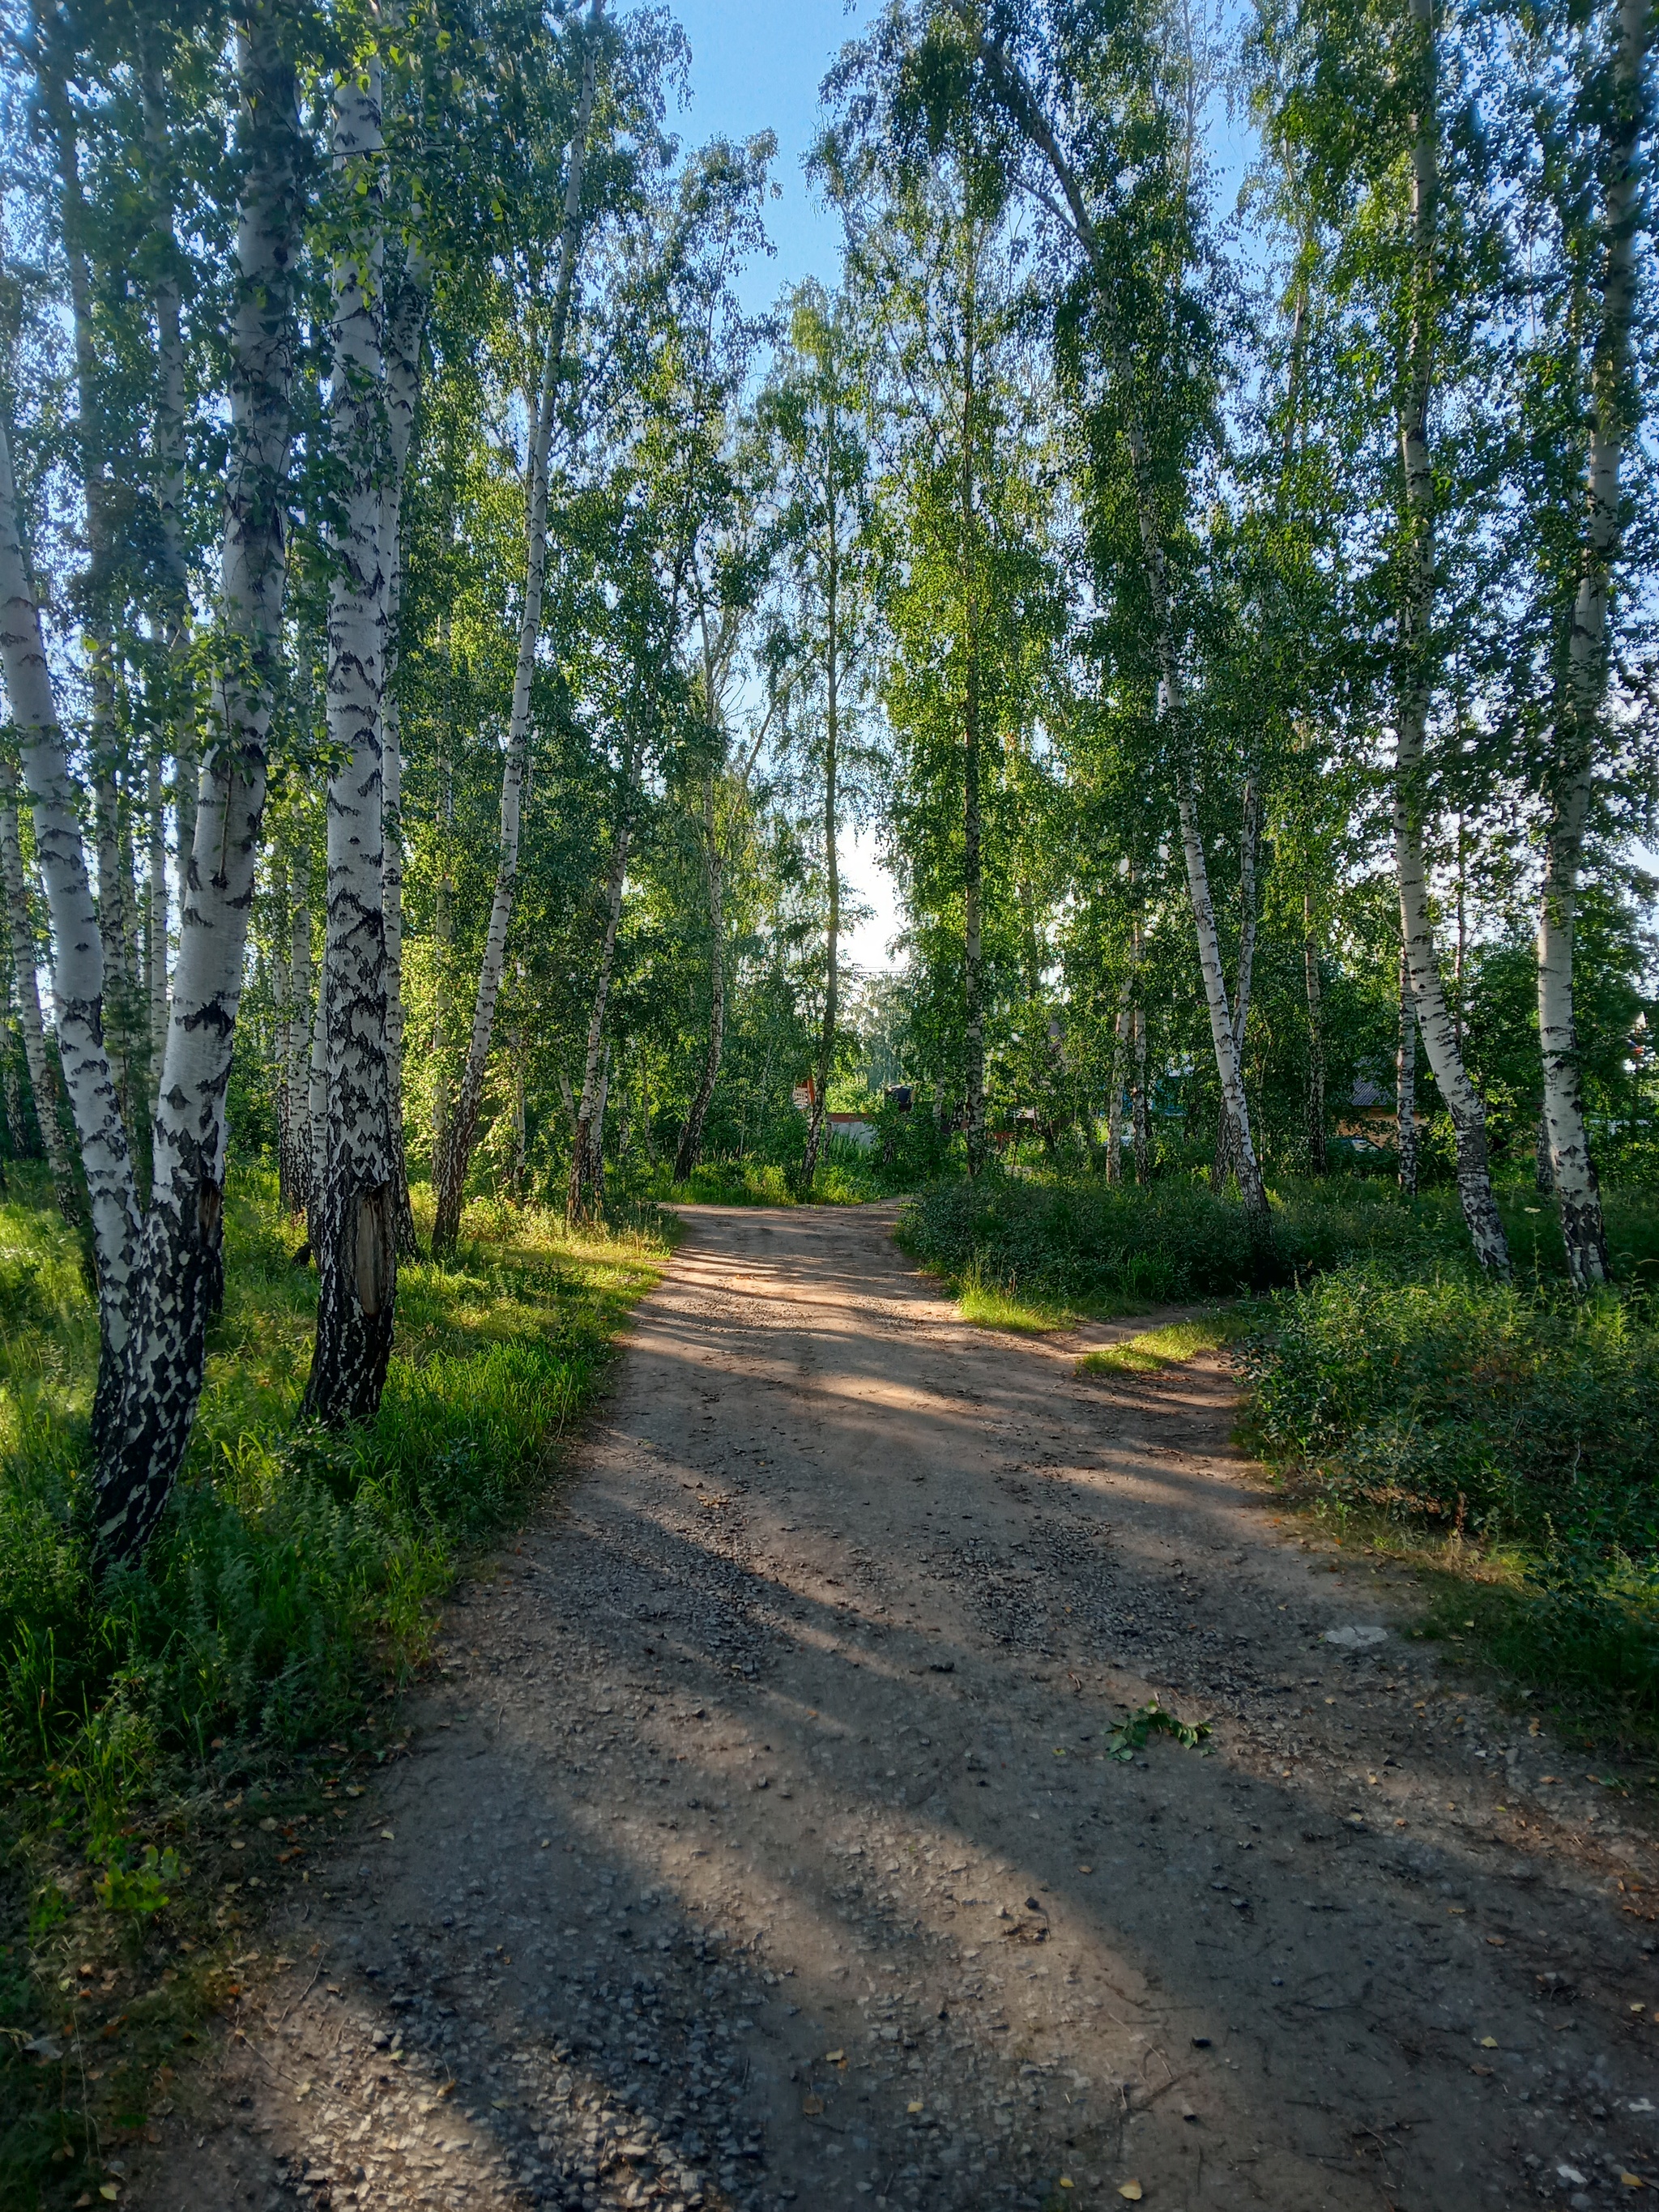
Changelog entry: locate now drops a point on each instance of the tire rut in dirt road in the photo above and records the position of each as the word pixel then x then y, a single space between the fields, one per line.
pixel 760 1845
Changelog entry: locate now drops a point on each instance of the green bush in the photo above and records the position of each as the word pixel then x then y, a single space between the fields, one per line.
pixel 1507 1410
pixel 1095 1246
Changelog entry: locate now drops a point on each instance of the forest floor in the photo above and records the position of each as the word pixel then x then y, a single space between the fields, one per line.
pixel 759 1842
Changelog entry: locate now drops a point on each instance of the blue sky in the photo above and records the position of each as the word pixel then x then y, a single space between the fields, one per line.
pixel 758 67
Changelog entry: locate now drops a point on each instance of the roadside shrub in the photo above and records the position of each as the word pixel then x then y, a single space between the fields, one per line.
pixel 1504 1410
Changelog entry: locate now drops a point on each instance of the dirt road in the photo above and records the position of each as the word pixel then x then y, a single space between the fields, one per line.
pixel 759 1845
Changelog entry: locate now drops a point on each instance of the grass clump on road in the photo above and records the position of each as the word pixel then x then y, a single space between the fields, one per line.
pixel 1156 1349
pixel 295 1578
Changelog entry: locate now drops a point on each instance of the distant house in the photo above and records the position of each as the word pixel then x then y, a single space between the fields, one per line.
pixel 1371 1120
pixel 854 1127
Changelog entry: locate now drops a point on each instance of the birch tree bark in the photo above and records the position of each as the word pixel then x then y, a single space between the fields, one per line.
pixel 580 1189
pixel 293 1166
pixel 43 1081
pixel 165 1301
pixel 1405 1084
pixel 1249 845
pixel 972 818
pixel 78 962
pixel 155 920
pixel 1119 1078
pixel 11 1081
pixel 356 1240
pixel 461 1123
pixel 831 845
pixel 691 1144
pixel 1569 779
pixel 317 1111
pixel 1434 1018
pixel 172 614
pixel 119 1013
pixel 406 324
pixel 1316 1160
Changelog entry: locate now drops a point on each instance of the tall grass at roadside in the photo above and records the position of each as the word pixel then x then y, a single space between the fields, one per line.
pixel 291 1559
pixel 849 1174
pixel 1090 1246
pixel 1509 1435
pixel 294 1577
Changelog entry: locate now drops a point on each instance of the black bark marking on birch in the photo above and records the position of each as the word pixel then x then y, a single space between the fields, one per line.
pixel 376 1253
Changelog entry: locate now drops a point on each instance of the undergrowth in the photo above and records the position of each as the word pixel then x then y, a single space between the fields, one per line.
pixel 1156 1349
pixel 294 1582
pixel 849 1174
pixel 1507 1435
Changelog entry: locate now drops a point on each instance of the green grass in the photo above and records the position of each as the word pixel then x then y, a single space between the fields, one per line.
pixel 1156 1349
pixel 988 1303
pixel 1082 1244
pixel 849 1174
pixel 293 1584
pixel 1505 1436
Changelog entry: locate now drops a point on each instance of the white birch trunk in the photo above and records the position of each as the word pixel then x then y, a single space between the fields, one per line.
pixel 1570 779
pixel 1120 1077
pixel 691 1144
pixel 178 1285
pixel 43 1081
pixel 1249 843
pixel 1416 617
pixel 317 1108
pixel 405 326
pixel 295 1166
pixel 155 918
pixel 172 609
pixel 461 1123
pixel 580 1192
pixel 78 962
pixel 356 1243
pixel 1405 1085
pixel 1011 89
pixel 1316 1160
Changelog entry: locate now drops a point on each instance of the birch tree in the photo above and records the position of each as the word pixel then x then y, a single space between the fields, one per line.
pixel 158 1272
pixel 1417 645
pixel 43 1081
pixel 974 58
pixel 461 1118
pixel 1569 777
pixel 355 1242
pixel 815 409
